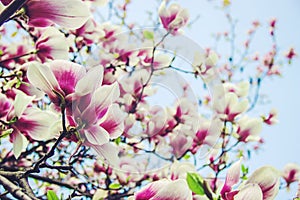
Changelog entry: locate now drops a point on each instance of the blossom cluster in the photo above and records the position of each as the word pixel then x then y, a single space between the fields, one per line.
pixel 77 111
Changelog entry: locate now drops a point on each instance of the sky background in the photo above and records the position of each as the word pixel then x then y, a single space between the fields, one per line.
pixel 282 140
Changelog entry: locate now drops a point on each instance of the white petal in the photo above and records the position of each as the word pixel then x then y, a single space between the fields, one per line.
pixel 21 102
pixel 91 81
pixel 20 143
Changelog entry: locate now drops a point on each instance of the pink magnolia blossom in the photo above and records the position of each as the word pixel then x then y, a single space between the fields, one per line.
pixel 249 129
pixel 180 143
pixel 229 106
pixel 64 79
pixel 51 45
pixel 66 13
pixel 173 18
pixel 28 122
pixel 271 118
pixel 267 178
pixel 97 119
pixel 291 173
pixel 165 189
pixel 207 133
pixel 89 32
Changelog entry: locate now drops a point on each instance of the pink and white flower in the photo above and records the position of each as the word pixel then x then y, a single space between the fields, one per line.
pixel 173 18
pixel 271 119
pixel 229 106
pixel 248 129
pixel 51 45
pixel 64 80
pixel 291 173
pixel 29 122
pixel 66 13
pixel 267 178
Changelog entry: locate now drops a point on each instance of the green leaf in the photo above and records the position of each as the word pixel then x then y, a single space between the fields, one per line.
pixel 244 169
pixel 114 186
pixel 148 35
pixel 186 157
pixel 51 195
pixel 195 183
pixel 118 140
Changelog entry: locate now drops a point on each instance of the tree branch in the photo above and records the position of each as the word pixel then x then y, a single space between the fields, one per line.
pixel 10 10
pixel 13 189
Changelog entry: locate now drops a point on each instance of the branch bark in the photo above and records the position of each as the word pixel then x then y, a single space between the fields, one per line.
pixel 10 10
pixel 13 189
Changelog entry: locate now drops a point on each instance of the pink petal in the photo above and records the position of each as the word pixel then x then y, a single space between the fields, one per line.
pixel 96 135
pixel 69 14
pixel 5 105
pixel 232 178
pixel 112 121
pixel 67 74
pixel 102 98
pixel 36 123
pixel 52 45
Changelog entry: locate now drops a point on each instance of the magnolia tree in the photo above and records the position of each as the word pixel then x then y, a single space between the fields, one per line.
pixel 93 106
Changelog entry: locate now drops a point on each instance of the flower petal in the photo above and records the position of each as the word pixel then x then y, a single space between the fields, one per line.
pixel 42 77
pixel 21 102
pixel 250 191
pixel 96 135
pixel 92 80
pixel 108 152
pixel 112 121
pixel 69 14
pixel 67 74
pixel 19 143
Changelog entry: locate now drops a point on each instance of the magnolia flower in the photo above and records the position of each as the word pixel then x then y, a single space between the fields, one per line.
pixel 241 89
pixel 207 133
pixel 51 45
pixel 156 121
pixel 232 178
pixel 66 13
pixel 30 122
pixel 271 118
pixel 173 18
pixel 180 143
pixel 98 119
pixel 229 106
pixel 267 178
pixel 165 189
pixel 89 32
pixel 63 80
pixel 248 129
pixel 291 173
